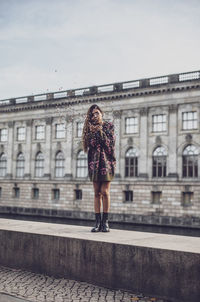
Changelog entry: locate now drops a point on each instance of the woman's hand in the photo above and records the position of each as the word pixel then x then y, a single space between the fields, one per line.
pixel 95 128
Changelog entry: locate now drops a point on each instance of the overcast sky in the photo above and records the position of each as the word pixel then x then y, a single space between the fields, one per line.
pixel 52 45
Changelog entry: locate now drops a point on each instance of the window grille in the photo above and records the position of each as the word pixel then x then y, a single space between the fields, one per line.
pixel 189 120
pixel 56 194
pixel 128 196
pixel 39 132
pixel 3 135
pixel 16 192
pixel 35 193
pixel 20 165
pixel 3 165
pixel 21 134
pixel 190 161
pixel 78 194
pixel 39 165
pixel 159 162
pixel 60 130
pixel 159 123
pixel 59 164
pixel 131 163
pixel 82 167
pixel 79 129
pixel 131 125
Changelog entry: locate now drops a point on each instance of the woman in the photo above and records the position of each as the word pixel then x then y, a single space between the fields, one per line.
pixel 99 142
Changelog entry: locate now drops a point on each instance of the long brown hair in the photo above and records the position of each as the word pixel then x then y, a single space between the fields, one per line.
pixel 86 126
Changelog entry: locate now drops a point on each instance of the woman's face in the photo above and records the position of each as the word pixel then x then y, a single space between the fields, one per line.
pixel 96 117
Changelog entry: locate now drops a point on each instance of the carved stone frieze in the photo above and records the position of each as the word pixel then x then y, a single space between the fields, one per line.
pixel 144 111
pixel 19 147
pixel 117 113
pixel 188 138
pixel 10 124
pixel 29 123
pixel 38 147
pixel 58 146
pixel 130 141
pixel 158 140
pixel 173 108
pixel 48 120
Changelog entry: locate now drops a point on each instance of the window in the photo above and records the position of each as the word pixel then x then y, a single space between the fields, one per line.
pixel 159 122
pixel 3 135
pixel 21 134
pixel 131 125
pixel 16 192
pixel 56 194
pixel 187 198
pixel 60 130
pixel 128 196
pixel 159 162
pixel 39 165
pixel 79 129
pixel 131 163
pixel 190 161
pixel 81 168
pixel 189 120
pixel 3 165
pixel 20 165
pixel 78 194
pixel 59 165
pixel 35 193
pixel 39 132
pixel 156 197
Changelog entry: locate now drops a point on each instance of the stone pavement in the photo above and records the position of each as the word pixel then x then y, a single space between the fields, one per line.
pixel 22 286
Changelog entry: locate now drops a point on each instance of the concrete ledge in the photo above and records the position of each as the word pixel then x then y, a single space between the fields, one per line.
pixel 166 266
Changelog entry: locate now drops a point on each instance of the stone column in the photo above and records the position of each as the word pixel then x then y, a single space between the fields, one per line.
pixel 143 156
pixel 48 151
pixel 10 145
pixel 27 172
pixel 172 156
pixel 117 121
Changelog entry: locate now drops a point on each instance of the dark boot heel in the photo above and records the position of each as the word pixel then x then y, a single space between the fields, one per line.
pixel 105 226
pixel 97 227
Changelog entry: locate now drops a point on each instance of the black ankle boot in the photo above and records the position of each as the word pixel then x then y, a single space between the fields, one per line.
pixel 97 227
pixel 105 226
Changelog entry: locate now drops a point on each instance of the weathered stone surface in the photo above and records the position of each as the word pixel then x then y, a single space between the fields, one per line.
pixel 154 264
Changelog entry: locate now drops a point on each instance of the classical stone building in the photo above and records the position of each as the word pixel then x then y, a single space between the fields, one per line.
pixel 43 170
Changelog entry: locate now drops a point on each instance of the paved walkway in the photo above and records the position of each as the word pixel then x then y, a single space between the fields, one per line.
pixel 23 286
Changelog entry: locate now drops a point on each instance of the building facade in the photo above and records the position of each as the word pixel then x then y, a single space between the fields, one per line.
pixel 43 169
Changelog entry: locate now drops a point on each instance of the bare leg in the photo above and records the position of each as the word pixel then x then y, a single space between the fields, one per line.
pixel 97 196
pixel 105 191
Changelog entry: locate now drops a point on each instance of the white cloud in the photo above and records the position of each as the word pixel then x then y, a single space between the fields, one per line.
pixel 93 42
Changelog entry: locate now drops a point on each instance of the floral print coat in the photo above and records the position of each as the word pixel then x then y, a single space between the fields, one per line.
pixel 101 154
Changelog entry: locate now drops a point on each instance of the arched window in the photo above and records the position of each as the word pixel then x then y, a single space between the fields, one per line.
pixel 190 161
pixel 3 164
pixel 20 165
pixel 59 164
pixel 39 165
pixel 131 163
pixel 159 162
pixel 81 167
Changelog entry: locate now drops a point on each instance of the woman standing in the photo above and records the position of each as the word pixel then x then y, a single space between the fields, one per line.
pixel 99 142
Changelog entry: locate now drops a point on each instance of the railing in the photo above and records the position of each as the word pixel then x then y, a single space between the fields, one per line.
pixel 115 87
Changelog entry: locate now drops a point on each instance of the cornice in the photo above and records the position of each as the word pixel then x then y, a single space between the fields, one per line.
pixel 106 96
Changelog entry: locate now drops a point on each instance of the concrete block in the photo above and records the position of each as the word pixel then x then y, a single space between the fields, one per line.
pixel 165 266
